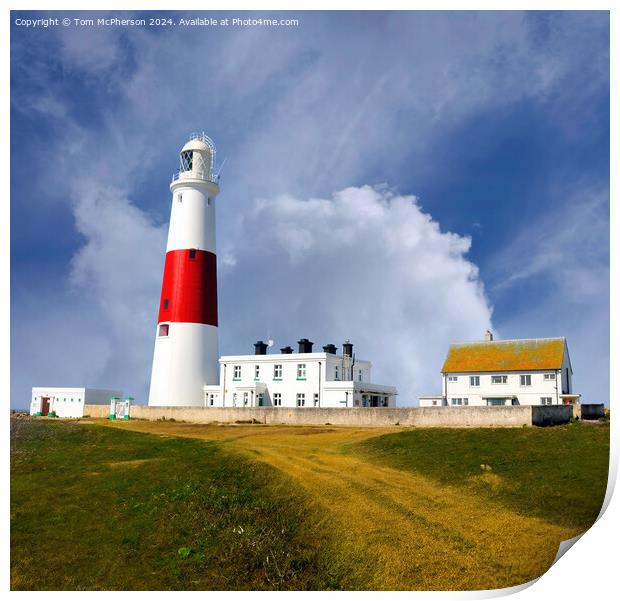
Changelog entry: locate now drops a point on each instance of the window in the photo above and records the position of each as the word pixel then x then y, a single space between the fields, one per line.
pixel 180 197
pixel 237 372
pixel 526 380
pixel 192 254
pixel 452 378
pixel 499 379
pixel 496 402
pixel 164 328
pixel 316 399
pixel 209 201
pixel 434 402
pixel 545 400
pixel 277 399
pixel 234 399
pixel 474 380
pixel 211 400
pixel 245 398
pixel 301 399
pixel 549 376
pixel 187 160
pixel 301 371
pixel 336 375
pixel 459 401
pixel 277 372
pixel 261 398
pixel 256 372
pixel 359 375
pixel 166 304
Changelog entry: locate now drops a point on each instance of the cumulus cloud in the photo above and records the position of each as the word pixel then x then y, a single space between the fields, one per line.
pixel 118 270
pixel 366 264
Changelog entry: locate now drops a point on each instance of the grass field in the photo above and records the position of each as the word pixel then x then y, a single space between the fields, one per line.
pixel 161 505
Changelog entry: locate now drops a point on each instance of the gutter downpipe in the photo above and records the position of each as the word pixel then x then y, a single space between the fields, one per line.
pixel 224 387
pixel 319 384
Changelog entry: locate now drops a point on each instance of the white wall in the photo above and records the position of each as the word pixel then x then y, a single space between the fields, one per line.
pixel 183 363
pixel 526 395
pixel 319 380
pixel 69 402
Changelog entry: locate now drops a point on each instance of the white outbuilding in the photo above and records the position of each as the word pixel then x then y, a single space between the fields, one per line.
pixel 533 371
pixel 68 402
pixel 302 379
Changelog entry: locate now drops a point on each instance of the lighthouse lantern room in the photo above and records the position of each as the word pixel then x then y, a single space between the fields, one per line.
pixel 186 342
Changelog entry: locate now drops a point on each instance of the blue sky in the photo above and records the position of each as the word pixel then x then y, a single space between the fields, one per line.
pixel 401 179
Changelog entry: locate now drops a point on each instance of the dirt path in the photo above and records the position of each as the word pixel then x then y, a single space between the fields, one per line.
pixel 401 529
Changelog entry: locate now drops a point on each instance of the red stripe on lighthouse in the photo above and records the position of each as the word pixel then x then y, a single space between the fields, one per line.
pixel 189 290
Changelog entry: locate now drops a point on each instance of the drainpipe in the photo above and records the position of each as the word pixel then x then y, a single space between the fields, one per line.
pixel 224 386
pixel 557 373
pixel 319 383
pixel 445 389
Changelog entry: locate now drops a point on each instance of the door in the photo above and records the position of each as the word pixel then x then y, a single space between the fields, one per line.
pixel 45 405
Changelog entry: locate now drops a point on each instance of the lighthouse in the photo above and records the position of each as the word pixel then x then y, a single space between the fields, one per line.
pixel 186 343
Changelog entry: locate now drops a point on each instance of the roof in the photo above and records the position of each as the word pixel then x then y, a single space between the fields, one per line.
pixel 505 355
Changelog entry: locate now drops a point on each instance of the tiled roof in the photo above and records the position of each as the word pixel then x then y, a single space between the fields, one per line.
pixel 505 355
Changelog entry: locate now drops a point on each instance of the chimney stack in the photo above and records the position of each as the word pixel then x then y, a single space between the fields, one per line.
pixel 347 349
pixel 488 336
pixel 330 348
pixel 287 350
pixel 260 348
pixel 305 346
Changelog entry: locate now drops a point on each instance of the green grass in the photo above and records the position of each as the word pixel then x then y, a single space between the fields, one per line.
pixel 558 474
pixel 100 508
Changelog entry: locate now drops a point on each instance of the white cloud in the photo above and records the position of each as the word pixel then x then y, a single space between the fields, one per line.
pixel 367 265
pixel 118 271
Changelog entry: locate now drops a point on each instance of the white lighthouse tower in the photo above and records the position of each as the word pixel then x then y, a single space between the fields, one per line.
pixel 186 345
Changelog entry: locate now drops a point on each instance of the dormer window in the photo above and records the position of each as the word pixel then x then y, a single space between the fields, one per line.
pixel 187 160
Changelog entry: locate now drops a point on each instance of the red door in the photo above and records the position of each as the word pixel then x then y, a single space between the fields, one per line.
pixel 45 405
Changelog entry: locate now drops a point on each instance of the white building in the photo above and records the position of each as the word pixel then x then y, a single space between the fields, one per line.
pixel 533 371
pixel 68 402
pixel 302 379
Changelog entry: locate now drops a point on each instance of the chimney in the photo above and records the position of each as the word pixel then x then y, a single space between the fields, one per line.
pixel 287 350
pixel 305 346
pixel 260 348
pixel 330 348
pixel 347 349
pixel 488 336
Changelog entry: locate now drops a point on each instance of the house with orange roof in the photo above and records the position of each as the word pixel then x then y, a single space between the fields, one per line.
pixel 534 371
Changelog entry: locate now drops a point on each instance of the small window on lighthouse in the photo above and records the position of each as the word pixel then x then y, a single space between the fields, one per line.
pixel 163 329
pixel 192 253
pixel 166 304
pixel 187 160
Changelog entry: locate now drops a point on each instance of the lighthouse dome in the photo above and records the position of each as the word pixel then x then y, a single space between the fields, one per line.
pixel 197 158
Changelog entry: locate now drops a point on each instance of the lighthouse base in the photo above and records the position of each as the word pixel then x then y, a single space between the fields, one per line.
pixel 185 360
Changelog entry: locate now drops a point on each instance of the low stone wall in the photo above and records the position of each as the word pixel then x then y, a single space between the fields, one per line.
pixel 425 417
